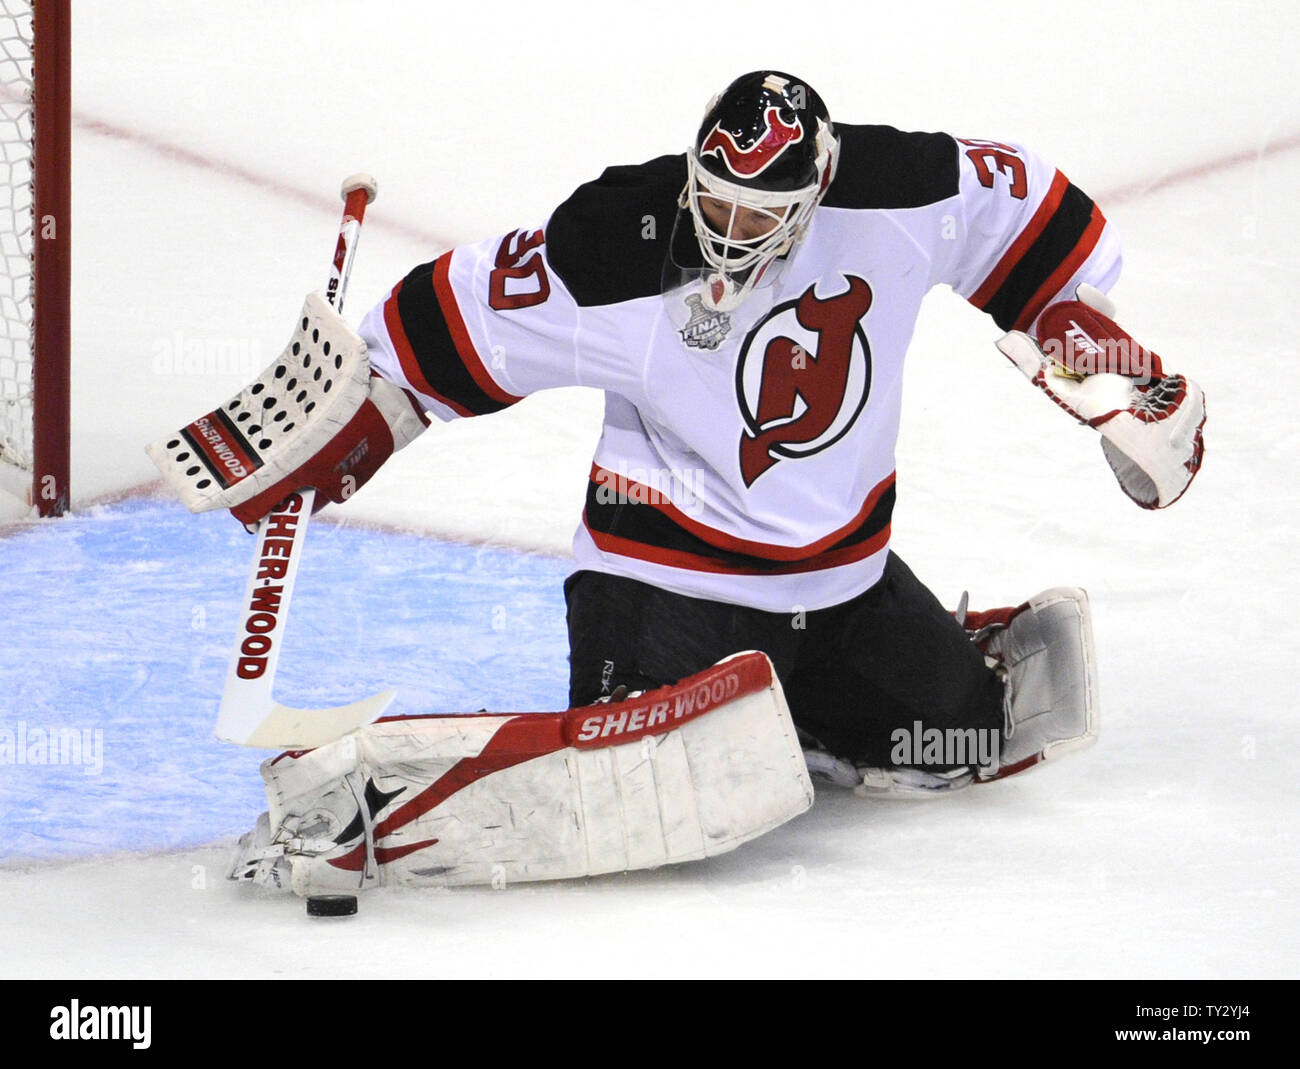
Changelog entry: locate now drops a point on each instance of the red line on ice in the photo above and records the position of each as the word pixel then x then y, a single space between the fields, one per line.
pixel 1144 186
pixel 230 169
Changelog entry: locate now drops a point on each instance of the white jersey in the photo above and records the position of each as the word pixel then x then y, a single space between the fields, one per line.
pixel 747 457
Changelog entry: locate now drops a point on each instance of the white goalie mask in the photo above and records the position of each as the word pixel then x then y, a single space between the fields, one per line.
pixel 761 163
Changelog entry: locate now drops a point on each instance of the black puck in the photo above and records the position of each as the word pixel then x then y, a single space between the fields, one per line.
pixel 331 905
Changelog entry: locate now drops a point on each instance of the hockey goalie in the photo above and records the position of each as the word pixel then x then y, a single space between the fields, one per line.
pixel 746 308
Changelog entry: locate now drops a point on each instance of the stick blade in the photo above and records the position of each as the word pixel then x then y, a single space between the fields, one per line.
pixel 282 727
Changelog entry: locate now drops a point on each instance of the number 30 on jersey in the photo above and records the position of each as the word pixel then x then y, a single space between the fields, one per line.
pixel 518 279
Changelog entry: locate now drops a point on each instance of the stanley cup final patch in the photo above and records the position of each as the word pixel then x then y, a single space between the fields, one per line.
pixel 704 329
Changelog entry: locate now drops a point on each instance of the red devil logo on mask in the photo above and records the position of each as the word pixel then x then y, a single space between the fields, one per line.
pixel 747 162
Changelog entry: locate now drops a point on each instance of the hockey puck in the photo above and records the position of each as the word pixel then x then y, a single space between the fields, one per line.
pixel 331 905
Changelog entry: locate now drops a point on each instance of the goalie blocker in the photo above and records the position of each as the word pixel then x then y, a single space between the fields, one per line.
pixel 676 774
pixel 316 417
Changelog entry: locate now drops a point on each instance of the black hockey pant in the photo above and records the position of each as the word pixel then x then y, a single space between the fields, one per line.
pixel 852 674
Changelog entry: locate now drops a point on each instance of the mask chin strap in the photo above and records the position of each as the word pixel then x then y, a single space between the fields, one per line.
pixel 721 294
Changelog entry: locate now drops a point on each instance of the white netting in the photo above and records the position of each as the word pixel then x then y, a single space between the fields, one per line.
pixel 16 119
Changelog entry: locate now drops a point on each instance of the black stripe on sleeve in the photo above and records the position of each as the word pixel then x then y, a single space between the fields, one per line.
pixel 432 345
pixel 1053 245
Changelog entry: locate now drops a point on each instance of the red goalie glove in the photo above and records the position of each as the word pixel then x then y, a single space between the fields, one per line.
pixel 1150 422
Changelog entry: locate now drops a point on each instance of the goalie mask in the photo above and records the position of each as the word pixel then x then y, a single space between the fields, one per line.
pixel 760 164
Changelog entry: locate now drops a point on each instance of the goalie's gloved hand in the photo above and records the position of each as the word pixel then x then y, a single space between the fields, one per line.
pixel 315 417
pixel 1151 423
pixel 388 419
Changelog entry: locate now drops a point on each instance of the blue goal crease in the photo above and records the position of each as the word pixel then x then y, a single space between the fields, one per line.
pixel 120 622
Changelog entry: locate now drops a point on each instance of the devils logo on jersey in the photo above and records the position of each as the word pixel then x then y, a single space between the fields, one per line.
pixel 766 149
pixel 803 377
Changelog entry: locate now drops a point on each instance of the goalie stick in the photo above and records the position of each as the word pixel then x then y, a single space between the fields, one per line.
pixel 249 714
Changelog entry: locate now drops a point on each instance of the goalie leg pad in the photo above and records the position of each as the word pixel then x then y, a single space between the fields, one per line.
pixel 1045 649
pixel 318 808
pixel 677 774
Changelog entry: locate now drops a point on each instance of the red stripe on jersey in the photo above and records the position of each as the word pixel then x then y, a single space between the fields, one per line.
pixel 1022 244
pixel 767 550
pixel 406 355
pixel 460 334
pixel 1061 275
pixel 676 558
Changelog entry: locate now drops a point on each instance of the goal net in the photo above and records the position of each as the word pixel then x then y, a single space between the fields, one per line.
pixel 34 239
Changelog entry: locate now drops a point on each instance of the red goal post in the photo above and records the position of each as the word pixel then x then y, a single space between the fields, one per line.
pixel 35 236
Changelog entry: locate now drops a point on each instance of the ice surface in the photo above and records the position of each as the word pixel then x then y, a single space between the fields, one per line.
pixel 141 661
pixel 206 159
